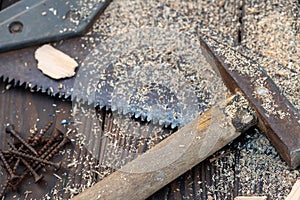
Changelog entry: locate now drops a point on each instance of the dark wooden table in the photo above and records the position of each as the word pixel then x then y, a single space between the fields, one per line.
pixel 218 177
pixel 26 109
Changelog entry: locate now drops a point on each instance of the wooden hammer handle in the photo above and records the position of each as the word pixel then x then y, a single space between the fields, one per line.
pixel 175 155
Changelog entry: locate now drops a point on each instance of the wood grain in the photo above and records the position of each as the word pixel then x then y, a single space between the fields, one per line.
pixel 295 193
pixel 169 159
pixel 55 63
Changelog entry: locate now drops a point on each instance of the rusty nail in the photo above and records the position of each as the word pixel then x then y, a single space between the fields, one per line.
pixel 52 139
pixel 46 155
pixel 58 147
pixel 37 138
pixel 10 129
pixel 4 187
pixel 16 165
pixel 9 170
pixel 56 165
pixel 30 137
pixel 36 176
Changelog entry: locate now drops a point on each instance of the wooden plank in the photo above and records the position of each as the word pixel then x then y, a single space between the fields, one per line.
pixel 26 111
pixel 295 193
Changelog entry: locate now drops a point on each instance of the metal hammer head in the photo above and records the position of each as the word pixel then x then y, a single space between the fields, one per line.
pixel 278 118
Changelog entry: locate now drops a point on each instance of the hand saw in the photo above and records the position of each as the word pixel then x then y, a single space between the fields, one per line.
pixel 211 130
pixel 29 23
pixel 20 66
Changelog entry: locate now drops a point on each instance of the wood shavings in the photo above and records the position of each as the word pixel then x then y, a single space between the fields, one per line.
pixel 260 169
pixel 57 176
pixel 244 66
pixel 55 63
pixel 26 193
pixel 273 31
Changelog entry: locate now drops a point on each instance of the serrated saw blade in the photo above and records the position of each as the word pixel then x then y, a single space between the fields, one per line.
pixel 154 74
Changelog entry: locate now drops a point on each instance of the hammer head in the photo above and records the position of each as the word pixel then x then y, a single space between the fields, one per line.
pixel 278 118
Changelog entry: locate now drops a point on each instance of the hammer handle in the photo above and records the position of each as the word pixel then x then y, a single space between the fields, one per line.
pixel 170 158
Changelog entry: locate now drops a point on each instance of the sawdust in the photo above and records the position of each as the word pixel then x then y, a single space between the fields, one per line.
pixel 150 66
pixel 272 29
pixel 262 31
pixel 253 165
pixel 157 77
pixel 260 170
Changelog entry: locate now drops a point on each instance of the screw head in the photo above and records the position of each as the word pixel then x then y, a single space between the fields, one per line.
pixel 15 27
pixel 9 128
pixel 38 178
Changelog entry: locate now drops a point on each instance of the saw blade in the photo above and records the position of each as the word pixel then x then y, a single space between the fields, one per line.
pixel 154 74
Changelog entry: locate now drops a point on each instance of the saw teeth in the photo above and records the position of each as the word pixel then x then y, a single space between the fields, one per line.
pixel 173 125
pixel 113 108
pixel 79 99
pixel 61 95
pixel 143 117
pixel 17 83
pixel 125 111
pixel 44 90
pixel 144 88
pixel 167 122
pixel 90 102
pixel 149 117
pixel 9 80
pixel 101 106
pixel 155 121
pixel 107 108
pixel 137 114
pixel 161 122
pixel 38 89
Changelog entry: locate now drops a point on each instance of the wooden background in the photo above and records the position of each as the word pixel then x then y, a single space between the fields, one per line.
pixel 219 177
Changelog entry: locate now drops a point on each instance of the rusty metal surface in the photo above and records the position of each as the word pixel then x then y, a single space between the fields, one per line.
pixel 278 118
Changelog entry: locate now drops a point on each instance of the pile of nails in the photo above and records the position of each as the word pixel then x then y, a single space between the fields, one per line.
pixel 28 156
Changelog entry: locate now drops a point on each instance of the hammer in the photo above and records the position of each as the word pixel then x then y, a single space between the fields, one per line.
pixel 255 101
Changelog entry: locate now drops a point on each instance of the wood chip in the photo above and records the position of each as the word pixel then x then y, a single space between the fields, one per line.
pixel 295 193
pixel 250 198
pixel 55 63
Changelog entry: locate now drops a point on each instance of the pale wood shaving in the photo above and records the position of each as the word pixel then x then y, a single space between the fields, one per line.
pixel 295 193
pixel 54 63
